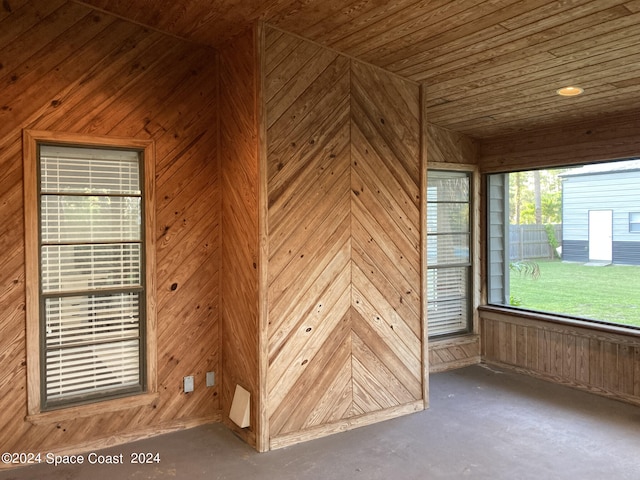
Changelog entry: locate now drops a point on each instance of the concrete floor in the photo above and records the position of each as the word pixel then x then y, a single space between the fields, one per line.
pixel 482 424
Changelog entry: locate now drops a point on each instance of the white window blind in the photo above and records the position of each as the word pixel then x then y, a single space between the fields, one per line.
pixel 91 272
pixel 447 300
pixel 448 252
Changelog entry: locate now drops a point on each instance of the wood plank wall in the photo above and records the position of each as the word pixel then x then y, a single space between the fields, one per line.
pixel 452 353
pixel 64 67
pixel 343 170
pixel 602 139
pixel 597 360
pixel 594 360
pixel 447 146
pixel 239 164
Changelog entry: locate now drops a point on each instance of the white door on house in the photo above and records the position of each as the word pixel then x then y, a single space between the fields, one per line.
pixel 600 235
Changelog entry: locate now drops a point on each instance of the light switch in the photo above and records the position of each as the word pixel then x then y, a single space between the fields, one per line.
pixel 211 379
pixel 188 384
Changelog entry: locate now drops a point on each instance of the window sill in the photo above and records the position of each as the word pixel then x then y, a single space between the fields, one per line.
pixel 561 320
pixel 65 414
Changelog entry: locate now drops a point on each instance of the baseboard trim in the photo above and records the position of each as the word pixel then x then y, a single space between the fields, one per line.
pixel 287 440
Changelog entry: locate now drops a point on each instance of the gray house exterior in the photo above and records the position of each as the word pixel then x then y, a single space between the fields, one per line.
pixel 601 213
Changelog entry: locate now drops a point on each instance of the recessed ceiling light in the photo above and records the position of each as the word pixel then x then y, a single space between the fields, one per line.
pixel 569 91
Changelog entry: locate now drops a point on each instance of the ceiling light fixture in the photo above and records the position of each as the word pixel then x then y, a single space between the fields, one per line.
pixel 569 91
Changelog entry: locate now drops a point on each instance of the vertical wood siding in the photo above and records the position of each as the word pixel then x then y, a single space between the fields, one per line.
pixel 600 362
pixel 344 333
pixel 239 183
pixel 68 68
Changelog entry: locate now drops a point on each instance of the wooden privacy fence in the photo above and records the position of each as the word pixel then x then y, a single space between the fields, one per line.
pixel 531 241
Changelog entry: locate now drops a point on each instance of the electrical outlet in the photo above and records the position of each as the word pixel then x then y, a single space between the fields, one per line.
pixel 188 384
pixel 211 379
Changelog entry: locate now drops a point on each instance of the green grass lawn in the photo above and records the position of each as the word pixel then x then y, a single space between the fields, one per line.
pixel 610 293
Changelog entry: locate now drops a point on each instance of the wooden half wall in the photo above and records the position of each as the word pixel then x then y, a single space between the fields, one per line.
pixel 601 361
pixel 344 177
pixel 67 68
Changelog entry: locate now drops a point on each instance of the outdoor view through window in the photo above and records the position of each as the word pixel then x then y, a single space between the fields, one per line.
pixel 567 241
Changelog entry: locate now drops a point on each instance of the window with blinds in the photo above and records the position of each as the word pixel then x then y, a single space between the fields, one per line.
pixel 91 273
pixel 448 252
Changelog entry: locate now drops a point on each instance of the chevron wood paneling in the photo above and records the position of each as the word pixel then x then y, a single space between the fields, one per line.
pixel 344 323
pixel 449 354
pixel 307 117
pixel 68 68
pixel 447 146
pixel 385 209
pixel 239 174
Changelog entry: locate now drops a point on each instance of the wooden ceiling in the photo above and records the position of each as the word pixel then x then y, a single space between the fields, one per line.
pixel 491 67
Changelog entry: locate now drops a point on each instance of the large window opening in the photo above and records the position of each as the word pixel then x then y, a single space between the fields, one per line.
pixel 564 241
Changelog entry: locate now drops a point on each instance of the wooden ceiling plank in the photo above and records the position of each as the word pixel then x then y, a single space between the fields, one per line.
pixel 185 17
pixel 536 37
pixel 511 126
pixel 633 81
pixel 325 19
pixel 442 93
pixel 633 6
pixel 508 106
pixel 555 9
pixel 535 93
pixel 562 72
pixel 487 64
pixel 489 14
pixel 602 68
pixel 595 45
pixel 452 19
pixel 230 18
pixel 352 17
pixel 508 121
pixel 363 33
pixel 603 130
pixel 603 94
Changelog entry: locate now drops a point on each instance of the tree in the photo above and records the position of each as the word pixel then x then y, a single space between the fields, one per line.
pixel 535 197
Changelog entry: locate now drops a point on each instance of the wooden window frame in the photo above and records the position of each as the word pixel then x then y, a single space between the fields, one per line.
pixel 31 140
